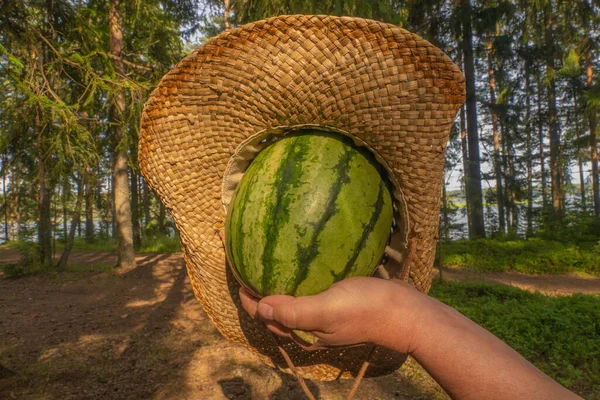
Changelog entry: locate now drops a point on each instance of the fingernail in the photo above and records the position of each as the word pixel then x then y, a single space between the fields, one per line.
pixel 265 311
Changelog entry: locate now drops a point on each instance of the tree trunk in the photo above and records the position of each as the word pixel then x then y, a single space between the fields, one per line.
pixel 593 121
pixel 89 212
pixel 146 200
pixel 15 204
pixel 579 158
pixel 446 233
pixel 226 12
pixel 540 123
pixel 496 139
pixel 135 215
pixel 465 160
pixel 555 156
pixel 122 203
pixel 511 192
pixel 45 224
pixel 508 180
pixel 161 219
pixel 113 212
pixel 474 193
pixel 529 150
pixel 465 152
pixel 62 263
pixel 65 198
pixel 4 197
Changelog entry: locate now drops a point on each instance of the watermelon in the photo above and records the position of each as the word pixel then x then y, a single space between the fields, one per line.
pixel 310 210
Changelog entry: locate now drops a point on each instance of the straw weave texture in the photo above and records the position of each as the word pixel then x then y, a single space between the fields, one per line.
pixel 385 86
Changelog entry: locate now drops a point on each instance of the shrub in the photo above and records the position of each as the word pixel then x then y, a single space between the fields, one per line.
pixel 535 255
pixel 560 335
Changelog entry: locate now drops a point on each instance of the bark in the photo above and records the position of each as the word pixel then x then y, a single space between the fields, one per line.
pixel 4 198
pixel 446 233
pixel 474 193
pixel 555 156
pixel 507 186
pixel 15 209
pixel 44 199
pixel 89 212
pixel 126 254
pixel 465 160
pixel 62 263
pixel 135 215
pixel 113 213
pixel 511 192
pixel 529 150
pixel 226 13
pixel 592 122
pixel 146 201
pixel 465 151
pixel 496 139
pixel 540 123
pixel 65 197
pixel 579 158
pixel 161 219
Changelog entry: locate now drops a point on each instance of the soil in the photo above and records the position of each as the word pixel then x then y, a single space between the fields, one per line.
pixel 141 334
pixel 551 285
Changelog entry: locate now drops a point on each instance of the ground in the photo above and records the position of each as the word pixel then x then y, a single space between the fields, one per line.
pixel 141 334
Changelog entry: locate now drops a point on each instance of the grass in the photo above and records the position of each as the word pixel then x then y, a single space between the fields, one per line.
pixel 560 335
pixel 71 271
pixel 160 244
pixel 533 256
pixel 30 265
pixel 150 244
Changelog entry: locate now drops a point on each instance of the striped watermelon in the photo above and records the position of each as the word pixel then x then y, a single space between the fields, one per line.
pixel 311 210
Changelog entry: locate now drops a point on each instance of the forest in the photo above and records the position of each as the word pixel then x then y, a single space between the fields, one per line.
pixel 521 191
pixel 522 161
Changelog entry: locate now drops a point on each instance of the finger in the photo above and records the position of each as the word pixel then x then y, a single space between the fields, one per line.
pixel 249 302
pixel 306 313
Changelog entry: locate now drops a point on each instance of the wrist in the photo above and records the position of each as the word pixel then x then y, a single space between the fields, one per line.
pixel 410 315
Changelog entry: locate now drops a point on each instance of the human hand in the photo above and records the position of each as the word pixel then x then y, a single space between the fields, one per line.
pixel 352 311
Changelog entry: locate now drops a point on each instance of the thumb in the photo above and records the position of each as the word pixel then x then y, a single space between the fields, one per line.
pixel 306 313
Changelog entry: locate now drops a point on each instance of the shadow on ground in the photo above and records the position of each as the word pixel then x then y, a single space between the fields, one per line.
pixel 142 334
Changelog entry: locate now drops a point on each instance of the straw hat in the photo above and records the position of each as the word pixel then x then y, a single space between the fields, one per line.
pixel 386 88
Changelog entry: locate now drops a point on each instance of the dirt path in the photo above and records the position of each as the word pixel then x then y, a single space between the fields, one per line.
pixel 142 334
pixel 553 285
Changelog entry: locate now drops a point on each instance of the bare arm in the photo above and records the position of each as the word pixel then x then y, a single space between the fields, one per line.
pixel 465 359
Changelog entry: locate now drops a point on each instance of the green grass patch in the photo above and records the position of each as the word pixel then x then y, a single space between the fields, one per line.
pixel 560 335
pixel 71 272
pixel 160 244
pixel 533 256
pixel 20 245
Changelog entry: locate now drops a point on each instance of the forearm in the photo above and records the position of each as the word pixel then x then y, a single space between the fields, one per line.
pixel 471 363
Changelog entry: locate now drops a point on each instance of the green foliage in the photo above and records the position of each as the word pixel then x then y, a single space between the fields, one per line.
pixel 160 244
pixel 105 244
pixel 534 256
pixel 558 334
pixel 29 264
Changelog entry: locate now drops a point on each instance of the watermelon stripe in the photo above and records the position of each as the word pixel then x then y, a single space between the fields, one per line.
pixel 289 174
pixel 367 229
pixel 306 255
pixel 237 256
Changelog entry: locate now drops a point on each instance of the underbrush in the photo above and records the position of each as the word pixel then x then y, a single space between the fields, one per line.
pixel 533 256
pixel 160 244
pixel 30 264
pixel 560 335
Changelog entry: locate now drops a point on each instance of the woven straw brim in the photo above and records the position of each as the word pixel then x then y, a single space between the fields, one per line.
pixel 382 85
